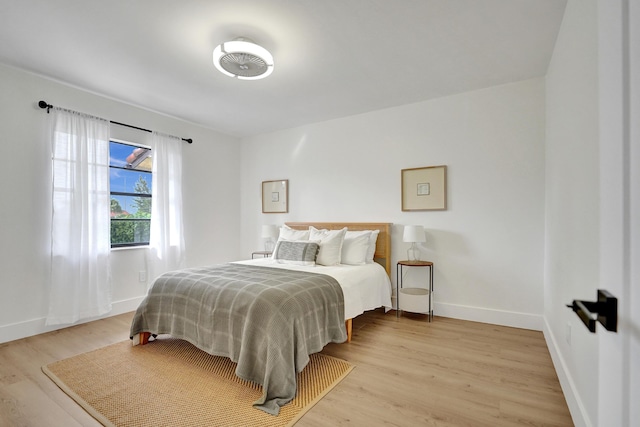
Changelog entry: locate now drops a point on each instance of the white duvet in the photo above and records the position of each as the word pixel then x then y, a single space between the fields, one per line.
pixel 365 287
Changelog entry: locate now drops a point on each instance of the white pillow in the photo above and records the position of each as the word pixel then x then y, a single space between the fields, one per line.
pixel 355 247
pixel 330 245
pixel 288 233
pixel 372 246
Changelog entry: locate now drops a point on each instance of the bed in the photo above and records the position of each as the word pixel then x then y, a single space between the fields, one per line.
pixel 268 315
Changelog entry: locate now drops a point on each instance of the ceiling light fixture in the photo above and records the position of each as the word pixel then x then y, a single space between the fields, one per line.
pixel 243 59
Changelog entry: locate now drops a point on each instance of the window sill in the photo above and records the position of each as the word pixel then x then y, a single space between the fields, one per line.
pixel 128 248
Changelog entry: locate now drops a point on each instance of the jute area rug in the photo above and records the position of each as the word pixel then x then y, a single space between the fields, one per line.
pixel 169 382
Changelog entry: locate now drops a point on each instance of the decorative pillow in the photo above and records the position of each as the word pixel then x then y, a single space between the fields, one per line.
pixel 330 245
pixel 355 247
pixel 372 246
pixel 296 252
pixel 288 233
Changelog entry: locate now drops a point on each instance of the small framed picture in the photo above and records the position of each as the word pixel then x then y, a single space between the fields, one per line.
pixel 424 188
pixel 275 196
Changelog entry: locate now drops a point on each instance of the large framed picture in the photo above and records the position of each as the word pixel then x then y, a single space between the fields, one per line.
pixel 424 189
pixel 275 196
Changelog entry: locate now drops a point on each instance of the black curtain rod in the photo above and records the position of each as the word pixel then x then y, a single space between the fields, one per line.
pixel 44 104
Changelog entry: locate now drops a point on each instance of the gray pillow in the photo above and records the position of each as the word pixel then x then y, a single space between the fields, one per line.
pixel 301 252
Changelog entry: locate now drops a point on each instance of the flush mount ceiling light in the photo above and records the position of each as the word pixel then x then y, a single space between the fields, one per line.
pixel 243 59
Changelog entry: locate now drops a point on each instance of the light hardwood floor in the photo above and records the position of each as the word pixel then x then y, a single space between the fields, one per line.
pixel 408 373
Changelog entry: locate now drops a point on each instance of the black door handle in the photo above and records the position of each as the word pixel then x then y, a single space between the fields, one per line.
pixel 604 310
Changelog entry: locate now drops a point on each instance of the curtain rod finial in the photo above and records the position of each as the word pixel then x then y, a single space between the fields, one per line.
pixel 44 104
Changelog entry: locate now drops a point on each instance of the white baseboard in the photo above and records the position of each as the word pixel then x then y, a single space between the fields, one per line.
pixel 486 315
pixel 32 327
pixel 576 407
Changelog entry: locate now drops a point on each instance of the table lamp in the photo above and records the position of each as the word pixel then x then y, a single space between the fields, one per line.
pixel 413 234
pixel 269 234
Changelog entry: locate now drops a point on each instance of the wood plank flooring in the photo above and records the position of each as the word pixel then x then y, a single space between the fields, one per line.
pixel 408 373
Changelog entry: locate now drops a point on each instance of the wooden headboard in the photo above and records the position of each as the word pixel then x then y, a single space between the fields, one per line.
pixel 383 244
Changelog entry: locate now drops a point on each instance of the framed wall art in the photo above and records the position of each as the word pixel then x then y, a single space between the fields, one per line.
pixel 275 196
pixel 424 189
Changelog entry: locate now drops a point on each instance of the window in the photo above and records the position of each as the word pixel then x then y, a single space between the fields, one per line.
pixel 130 180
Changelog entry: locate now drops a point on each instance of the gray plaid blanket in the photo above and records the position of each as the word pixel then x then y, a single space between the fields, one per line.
pixel 267 320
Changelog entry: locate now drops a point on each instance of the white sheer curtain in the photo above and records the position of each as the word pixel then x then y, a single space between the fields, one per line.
pixel 166 242
pixel 80 235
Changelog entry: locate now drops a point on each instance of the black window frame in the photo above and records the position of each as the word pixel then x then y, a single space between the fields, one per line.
pixel 129 167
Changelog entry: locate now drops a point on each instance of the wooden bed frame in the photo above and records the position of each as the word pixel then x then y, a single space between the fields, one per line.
pixel 382 255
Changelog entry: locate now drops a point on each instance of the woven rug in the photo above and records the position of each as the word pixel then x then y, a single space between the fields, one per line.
pixel 169 382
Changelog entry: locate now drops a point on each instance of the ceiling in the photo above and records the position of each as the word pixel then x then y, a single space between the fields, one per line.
pixel 333 58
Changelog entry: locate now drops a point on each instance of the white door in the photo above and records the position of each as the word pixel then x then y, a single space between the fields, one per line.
pixel 619 76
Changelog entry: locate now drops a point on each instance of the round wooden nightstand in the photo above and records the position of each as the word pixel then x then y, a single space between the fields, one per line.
pixel 416 299
pixel 263 254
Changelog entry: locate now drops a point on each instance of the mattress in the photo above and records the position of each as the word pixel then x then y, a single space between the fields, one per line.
pixel 365 287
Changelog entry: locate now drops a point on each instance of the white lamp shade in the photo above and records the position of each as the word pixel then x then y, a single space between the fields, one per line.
pixel 413 233
pixel 269 231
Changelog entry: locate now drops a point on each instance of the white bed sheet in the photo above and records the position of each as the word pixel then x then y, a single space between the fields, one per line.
pixel 365 287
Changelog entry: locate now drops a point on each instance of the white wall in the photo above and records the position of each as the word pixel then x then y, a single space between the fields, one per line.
pixel 487 246
pixel 572 204
pixel 211 204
